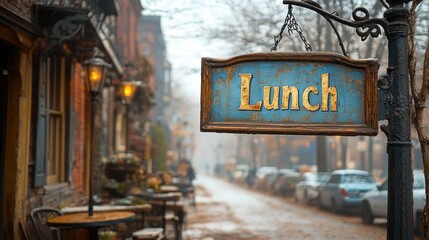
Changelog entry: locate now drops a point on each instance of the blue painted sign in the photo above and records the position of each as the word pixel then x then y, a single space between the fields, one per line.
pixel 292 93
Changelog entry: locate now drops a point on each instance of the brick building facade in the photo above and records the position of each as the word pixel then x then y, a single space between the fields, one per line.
pixel 45 105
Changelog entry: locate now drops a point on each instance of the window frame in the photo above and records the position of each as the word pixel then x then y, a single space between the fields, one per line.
pixel 58 114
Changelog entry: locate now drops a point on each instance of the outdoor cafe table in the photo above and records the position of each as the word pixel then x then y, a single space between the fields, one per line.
pixel 138 209
pixel 92 223
pixel 163 198
pixel 169 189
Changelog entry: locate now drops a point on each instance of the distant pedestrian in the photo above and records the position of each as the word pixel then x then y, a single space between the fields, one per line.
pixel 190 173
pixel 250 178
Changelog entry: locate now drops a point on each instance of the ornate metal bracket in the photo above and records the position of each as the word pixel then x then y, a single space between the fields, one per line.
pixel 364 24
pixel 384 98
pixel 65 29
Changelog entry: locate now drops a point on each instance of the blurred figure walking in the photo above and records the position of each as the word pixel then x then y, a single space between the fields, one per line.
pixel 250 179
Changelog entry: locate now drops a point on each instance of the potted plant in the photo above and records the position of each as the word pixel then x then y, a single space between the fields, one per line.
pixel 121 165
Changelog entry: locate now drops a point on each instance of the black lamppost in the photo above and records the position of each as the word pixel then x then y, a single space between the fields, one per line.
pixel 127 92
pixel 95 69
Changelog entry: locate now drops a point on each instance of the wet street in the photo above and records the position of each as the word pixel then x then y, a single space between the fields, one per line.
pixel 231 211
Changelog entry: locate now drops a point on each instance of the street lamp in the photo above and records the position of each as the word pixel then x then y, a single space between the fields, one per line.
pixel 95 69
pixel 128 90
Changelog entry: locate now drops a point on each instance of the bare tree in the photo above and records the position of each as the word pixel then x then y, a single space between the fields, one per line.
pixel 419 78
pixel 247 26
pixel 250 27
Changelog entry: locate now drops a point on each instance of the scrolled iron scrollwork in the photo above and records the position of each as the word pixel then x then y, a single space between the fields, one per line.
pixel 65 29
pixel 362 22
pixel 355 14
pixel 368 27
pixel 384 82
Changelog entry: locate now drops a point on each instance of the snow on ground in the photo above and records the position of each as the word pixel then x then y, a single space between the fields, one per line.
pixel 231 211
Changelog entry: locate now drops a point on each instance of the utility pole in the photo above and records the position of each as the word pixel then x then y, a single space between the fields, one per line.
pixel 344 144
pixel 322 154
pixel 370 154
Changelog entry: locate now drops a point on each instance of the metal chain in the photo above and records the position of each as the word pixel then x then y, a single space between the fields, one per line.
pixel 292 26
pixel 280 35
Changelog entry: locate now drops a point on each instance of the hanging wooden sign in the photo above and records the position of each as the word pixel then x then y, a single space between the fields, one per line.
pixel 289 93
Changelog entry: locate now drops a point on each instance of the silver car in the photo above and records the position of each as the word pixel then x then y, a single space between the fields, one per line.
pixel 306 190
pixel 374 203
pixel 344 189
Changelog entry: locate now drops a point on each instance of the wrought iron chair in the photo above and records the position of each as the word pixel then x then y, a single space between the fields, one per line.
pixel 156 217
pixel 153 223
pixel 159 217
pixel 40 217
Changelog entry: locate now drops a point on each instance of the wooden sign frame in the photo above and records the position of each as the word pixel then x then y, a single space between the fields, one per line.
pixel 368 125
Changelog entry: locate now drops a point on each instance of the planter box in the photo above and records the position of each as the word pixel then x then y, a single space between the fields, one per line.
pixel 119 172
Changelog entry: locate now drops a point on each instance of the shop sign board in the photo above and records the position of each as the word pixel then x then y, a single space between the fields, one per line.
pixel 289 93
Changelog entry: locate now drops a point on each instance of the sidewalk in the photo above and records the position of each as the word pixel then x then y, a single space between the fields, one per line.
pixel 211 220
pixel 229 211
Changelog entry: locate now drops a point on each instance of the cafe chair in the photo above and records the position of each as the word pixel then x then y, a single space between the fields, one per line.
pixel 40 217
pixel 176 215
pixel 189 193
pixel 155 218
pixel 148 234
pixel 160 217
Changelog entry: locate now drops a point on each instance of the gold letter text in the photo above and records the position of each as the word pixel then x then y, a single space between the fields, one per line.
pixel 326 90
pixel 287 91
pixel 306 101
pixel 275 103
pixel 245 94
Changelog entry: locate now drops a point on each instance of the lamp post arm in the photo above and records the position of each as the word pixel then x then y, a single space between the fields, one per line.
pixel 364 24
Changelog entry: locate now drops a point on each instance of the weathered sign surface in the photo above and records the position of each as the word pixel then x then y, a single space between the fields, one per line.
pixel 289 93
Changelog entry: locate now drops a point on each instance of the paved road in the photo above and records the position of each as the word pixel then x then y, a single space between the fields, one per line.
pixel 230 211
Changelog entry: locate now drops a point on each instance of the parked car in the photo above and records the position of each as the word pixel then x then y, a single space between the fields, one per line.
pixel 262 175
pixel 344 189
pixel 240 173
pixel 306 190
pixel 374 202
pixel 262 171
pixel 267 182
pixel 286 183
